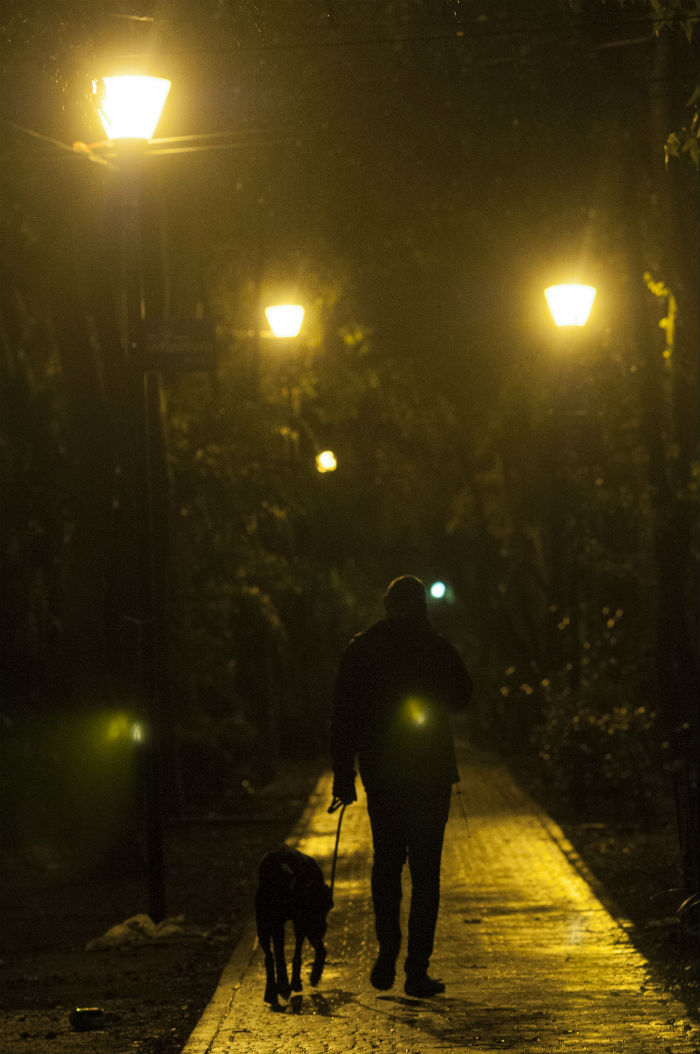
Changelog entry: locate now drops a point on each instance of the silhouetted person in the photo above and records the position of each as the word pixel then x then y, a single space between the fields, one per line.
pixel 396 684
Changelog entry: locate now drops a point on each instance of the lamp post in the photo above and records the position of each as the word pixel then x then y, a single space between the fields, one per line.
pixel 326 461
pixel 285 319
pixel 130 108
pixel 570 305
pixel 285 322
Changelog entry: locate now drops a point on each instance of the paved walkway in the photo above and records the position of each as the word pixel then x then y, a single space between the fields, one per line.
pixel 531 958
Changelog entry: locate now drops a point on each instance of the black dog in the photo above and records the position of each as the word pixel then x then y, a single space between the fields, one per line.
pixel 290 887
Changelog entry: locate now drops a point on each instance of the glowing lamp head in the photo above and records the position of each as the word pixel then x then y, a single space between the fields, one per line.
pixel 438 590
pixel 130 106
pixel 570 304
pixel 285 319
pixel 326 461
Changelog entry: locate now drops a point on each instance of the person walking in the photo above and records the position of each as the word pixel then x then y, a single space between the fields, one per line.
pixel 396 684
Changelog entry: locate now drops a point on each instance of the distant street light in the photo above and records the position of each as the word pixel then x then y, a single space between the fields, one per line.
pixel 326 461
pixel 285 319
pixel 570 304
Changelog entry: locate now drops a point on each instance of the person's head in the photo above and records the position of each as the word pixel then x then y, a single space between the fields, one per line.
pixel 405 598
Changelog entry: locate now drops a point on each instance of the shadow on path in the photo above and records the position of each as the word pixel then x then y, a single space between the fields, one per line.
pixel 463 1023
pixel 460 1022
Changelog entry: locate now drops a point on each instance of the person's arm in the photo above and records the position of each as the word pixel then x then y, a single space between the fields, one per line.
pixel 344 728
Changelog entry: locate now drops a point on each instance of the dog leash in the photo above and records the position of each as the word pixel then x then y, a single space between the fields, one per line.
pixel 458 796
pixel 338 804
pixel 333 807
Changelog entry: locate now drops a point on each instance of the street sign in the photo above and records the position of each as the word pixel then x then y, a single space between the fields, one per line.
pixel 175 344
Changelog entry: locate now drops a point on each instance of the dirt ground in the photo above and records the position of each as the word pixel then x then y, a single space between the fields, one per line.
pixel 154 993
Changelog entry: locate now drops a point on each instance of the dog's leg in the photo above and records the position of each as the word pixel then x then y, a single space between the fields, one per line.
pixel 280 961
pixel 296 961
pixel 319 959
pixel 270 985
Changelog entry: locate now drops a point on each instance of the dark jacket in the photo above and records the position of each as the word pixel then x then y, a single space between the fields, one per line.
pixel 396 684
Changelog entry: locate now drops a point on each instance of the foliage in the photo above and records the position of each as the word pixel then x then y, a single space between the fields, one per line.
pixel 687 139
pixel 34 524
pixel 415 184
pixel 676 14
pixel 597 738
pixel 597 751
pixel 682 17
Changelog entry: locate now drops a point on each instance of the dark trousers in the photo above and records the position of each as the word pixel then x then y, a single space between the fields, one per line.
pixel 407 823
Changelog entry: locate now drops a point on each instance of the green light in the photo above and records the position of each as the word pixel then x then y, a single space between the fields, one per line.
pixel 438 590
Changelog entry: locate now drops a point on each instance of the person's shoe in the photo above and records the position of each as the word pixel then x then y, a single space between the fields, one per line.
pixel 420 986
pixel 383 973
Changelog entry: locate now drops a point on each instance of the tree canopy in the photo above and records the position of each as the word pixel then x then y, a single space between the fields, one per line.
pixel 415 173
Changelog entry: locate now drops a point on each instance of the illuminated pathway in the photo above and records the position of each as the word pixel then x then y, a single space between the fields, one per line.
pixel 531 958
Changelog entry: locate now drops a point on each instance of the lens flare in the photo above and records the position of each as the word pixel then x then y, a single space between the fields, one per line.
pixel 416 710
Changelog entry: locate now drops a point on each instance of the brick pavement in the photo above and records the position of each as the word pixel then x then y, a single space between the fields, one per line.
pixel 531 958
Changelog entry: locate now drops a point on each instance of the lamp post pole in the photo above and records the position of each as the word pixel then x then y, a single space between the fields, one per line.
pixel 147 393
pixel 130 122
pixel 570 306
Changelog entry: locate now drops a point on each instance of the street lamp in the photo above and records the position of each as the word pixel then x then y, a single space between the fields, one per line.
pixel 326 461
pixel 571 303
pixel 130 108
pixel 285 319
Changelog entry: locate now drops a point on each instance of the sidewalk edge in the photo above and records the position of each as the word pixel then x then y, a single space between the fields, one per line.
pixel 205 1031
pixel 556 833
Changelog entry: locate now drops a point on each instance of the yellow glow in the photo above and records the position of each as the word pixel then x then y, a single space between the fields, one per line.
pixel 118 727
pixel 130 107
pixel 285 319
pixel 326 461
pixel 121 726
pixel 416 710
pixel 570 304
